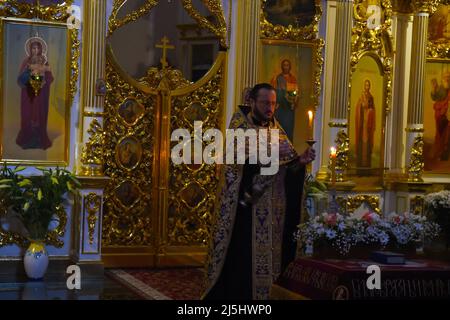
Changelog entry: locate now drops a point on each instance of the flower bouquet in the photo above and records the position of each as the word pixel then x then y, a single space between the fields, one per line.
pixel 438 205
pixel 34 200
pixel 408 230
pixel 359 235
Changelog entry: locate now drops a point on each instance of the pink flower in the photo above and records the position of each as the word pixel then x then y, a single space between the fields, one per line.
pixel 368 217
pixel 397 219
pixel 331 219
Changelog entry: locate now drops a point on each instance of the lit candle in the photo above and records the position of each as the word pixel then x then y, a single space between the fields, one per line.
pixel 333 152
pixel 310 121
pixel 333 165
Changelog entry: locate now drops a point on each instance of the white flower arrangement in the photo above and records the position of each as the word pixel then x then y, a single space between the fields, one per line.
pixel 438 200
pixel 345 232
pixel 409 228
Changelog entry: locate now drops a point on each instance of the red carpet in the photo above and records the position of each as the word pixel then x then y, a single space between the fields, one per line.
pixel 162 284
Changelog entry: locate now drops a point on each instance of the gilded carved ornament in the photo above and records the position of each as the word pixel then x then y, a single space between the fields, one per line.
pixel 52 238
pixel 416 163
pixel 92 153
pixel 377 39
pixel 115 22
pixel 425 6
pixel 402 6
pixel 269 30
pixel 215 8
pixel 189 221
pixel 92 205
pixel 438 48
pixel 342 149
pixel 176 220
pixel 350 203
pixel 125 223
pixel 218 27
pixel 57 12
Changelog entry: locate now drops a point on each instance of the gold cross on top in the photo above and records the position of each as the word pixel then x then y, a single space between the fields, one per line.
pixel 164 46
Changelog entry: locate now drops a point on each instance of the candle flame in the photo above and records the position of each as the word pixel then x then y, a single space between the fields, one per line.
pixel 333 152
pixel 310 115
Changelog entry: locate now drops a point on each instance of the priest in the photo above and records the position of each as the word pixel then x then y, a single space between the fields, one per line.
pixel 256 214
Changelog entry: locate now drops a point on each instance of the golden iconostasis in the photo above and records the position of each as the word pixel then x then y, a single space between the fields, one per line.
pixel 373 75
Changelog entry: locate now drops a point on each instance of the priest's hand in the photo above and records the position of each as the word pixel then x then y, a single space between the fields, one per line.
pixel 308 156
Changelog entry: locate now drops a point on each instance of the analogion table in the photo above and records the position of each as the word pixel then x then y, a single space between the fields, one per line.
pixel 308 278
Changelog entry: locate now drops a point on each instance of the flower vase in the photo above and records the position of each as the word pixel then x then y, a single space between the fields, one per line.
pixel 36 260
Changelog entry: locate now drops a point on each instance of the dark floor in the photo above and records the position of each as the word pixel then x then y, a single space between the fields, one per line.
pixel 55 289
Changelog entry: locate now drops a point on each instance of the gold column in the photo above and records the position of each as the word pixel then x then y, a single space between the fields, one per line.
pixel 341 67
pixel 87 227
pixel 163 181
pixel 91 103
pixel 247 47
pixel 339 99
pixel 396 119
pixel 422 10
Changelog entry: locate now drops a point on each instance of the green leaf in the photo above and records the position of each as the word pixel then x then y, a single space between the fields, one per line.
pixel 26 206
pixel 314 190
pixel 24 182
pixel 5 186
pixel 18 169
pixel 54 180
pixel 39 195
pixel 322 185
pixel 3 181
pixel 75 180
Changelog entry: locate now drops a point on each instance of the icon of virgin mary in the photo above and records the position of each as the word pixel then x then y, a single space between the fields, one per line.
pixel 35 78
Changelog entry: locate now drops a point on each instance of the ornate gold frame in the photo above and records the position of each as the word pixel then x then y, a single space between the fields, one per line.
pixel 71 80
pixel 376 43
pixel 187 120
pixel 116 152
pixel 384 69
pixel 138 118
pixel 438 50
pixel 214 6
pixel 428 174
pixel 351 203
pixel 317 46
pixel 279 32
